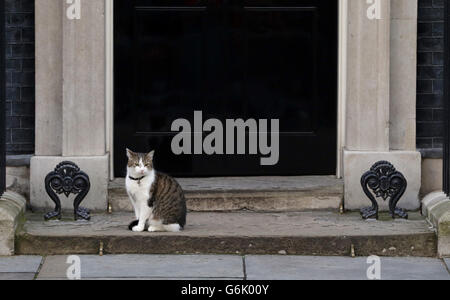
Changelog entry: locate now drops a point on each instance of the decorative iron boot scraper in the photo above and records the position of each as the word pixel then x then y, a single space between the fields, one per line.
pixel 67 178
pixel 385 182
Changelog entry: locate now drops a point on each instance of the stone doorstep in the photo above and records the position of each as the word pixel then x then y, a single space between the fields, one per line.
pixel 316 233
pixel 261 194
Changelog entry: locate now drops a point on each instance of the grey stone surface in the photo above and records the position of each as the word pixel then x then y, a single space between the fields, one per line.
pixel 296 183
pixel 12 209
pixel 444 243
pixel 18 180
pixel 17 276
pixel 368 57
pixel 436 208
pixel 432 179
pixel 403 70
pixel 274 194
pixel 447 262
pixel 430 200
pixel 356 163
pixel 142 279
pixel 341 268
pixel 20 264
pixel 97 167
pixel 148 266
pixel 312 224
pixel 307 233
pixel 83 87
pixel 70 70
pixel 49 76
pixel 219 267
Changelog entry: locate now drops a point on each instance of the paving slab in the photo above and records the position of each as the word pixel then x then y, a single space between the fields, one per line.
pixel 341 268
pixel 146 279
pixel 17 276
pixel 20 264
pixel 147 266
pixel 315 233
pixel 447 262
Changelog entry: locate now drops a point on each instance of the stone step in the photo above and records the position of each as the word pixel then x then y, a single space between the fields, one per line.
pixel 318 233
pixel 259 194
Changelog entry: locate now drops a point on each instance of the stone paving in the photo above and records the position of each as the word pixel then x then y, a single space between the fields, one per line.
pixel 317 233
pixel 220 267
pixel 19 267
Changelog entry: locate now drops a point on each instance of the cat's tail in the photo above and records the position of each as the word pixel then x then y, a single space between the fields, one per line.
pixel 132 224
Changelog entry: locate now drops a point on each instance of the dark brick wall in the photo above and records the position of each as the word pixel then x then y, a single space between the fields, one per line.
pixel 430 75
pixel 20 94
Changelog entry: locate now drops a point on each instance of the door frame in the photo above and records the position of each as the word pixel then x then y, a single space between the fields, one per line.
pixel 341 92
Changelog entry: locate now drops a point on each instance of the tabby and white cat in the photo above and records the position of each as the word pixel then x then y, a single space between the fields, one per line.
pixel 157 198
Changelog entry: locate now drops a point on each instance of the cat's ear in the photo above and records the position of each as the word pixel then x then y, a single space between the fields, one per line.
pixel 130 154
pixel 150 155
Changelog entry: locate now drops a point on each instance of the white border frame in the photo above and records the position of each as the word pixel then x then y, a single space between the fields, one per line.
pixel 342 83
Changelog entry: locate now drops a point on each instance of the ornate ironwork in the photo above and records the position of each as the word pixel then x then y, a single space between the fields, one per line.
pixel 385 182
pixel 67 178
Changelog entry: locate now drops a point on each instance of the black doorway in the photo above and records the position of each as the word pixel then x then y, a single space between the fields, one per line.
pixel 230 60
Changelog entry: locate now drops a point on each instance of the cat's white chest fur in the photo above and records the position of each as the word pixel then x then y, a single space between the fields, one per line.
pixel 139 190
pixel 139 194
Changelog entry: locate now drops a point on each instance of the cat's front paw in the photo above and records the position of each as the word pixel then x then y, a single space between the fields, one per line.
pixel 138 228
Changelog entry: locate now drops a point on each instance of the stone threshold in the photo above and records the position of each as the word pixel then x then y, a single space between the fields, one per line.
pixel 316 233
pixel 261 194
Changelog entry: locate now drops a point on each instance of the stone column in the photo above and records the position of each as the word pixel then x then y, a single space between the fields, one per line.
pixel 70 75
pixel 368 78
pixel 49 77
pixel 403 75
pixel 381 97
pixel 84 81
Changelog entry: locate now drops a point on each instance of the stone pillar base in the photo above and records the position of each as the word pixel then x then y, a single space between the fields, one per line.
pixel 356 163
pixel 436 208
pixel 96 167
pixel 12 208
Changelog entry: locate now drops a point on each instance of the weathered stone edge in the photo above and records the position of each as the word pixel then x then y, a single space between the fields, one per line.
pixel 274 201
pixel 12 209
pixel 415 245
pixel 436 208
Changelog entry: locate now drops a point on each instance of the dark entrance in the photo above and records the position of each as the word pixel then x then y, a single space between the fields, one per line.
pixel 230 60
